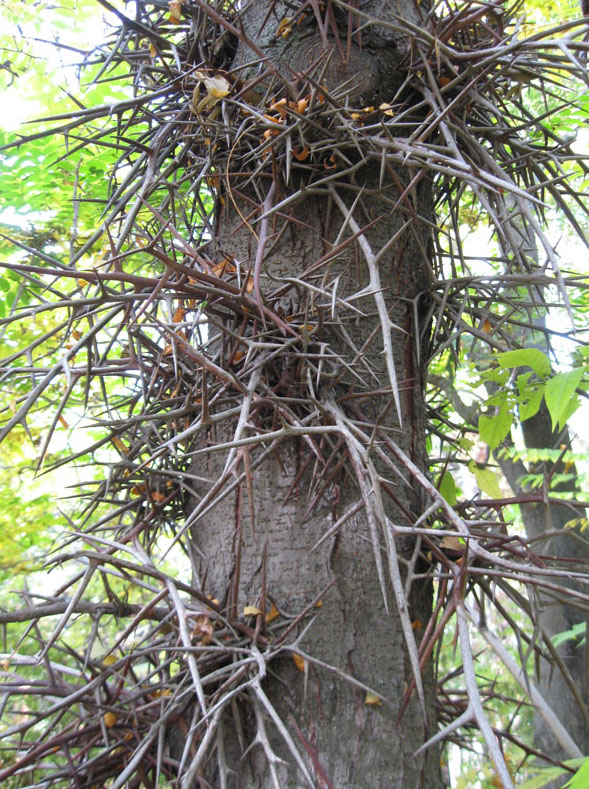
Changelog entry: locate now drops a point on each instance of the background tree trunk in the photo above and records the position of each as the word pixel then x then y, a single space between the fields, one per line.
pixel 546 525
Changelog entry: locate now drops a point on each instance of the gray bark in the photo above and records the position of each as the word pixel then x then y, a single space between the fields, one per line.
pixel 569 699
pixel 297 498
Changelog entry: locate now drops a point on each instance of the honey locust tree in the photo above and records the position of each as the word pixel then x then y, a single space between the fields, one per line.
pixel 264 264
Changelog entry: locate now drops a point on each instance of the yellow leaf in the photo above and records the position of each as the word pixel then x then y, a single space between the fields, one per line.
pixel 372 700
pixel 284 28
pixel 109 660
pixel 110 719
pixel 217 87
pixel 452 544
pixel 175 11
pixel 159 693
pixel 120 445
pixel 251 610
pixel 299 662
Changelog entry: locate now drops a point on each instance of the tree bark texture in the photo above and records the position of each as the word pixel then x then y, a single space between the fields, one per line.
pixel 254 546
pixel 547 525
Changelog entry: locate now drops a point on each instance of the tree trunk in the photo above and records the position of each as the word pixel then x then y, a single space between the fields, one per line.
pixel 254 540
pixel 546 524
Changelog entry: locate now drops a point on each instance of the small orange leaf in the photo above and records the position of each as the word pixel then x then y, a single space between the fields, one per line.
pixel 155 496
pixel 487 326
pixel 416 625
pixel 273 613
pixel 299 662
pixel 203 629
pixel 279 106
pixel 224 267
pixel 300 154
pixel 138 490
pixel 179 315
pixel 110 719
pixel 63 423
pixel 445 81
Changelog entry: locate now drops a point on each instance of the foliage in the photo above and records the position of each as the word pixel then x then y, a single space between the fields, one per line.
pixel 117 304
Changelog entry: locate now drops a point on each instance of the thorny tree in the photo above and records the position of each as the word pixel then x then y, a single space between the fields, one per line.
pixel 278 262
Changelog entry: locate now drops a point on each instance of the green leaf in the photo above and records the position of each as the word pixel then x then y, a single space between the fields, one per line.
pixel 526 357
pixel 547 774
pixel 530 408
pixel 559 392
pixel 580 779
pixel 487 480
pixel 543 779
pixel 575 632
pixel 448 489
pixel 493 429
